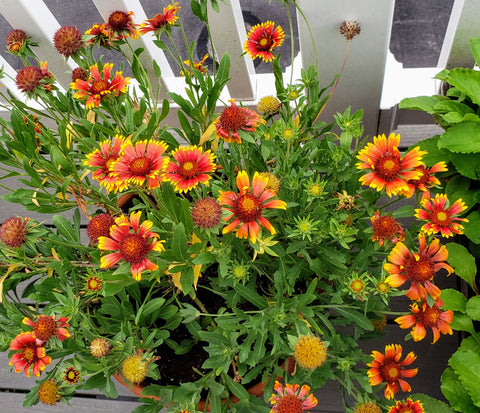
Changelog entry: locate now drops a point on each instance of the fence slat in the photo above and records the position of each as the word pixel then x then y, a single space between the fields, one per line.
pixel 39 23
pixel 228 33
pixel 463 25
pixel 361 83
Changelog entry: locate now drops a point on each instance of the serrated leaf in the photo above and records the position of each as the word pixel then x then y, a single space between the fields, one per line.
pixel 473 309
pixel 462 261
pixel 462 137
pixel 475 48
pixel 471 227
pixel 467 81
pixel 467 164
pixel 462 322
pixel 453 300
pixel 424 103
pixel 466 364
pixel 455 392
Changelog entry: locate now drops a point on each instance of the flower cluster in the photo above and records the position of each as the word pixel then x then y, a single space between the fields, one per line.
pixel 233 245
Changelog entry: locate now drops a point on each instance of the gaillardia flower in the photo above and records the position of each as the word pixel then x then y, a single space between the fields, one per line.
pixel 122 24
pixel 262 39
pixel 48 392
pixel 419 268
pixel 101 35
pixel 292 398
pixel 423 316
pixel 440 217
pixel 29 79
pixel 102 160
pixel 235 118
pixel 16 41
pixel 206 213
pixel 141 163
pixel 409 406
pixel 99 226
pixel 100 347
pixel 71 375
pixel 13 232
pixel 426 180
pixel 387 167
pixel 191 167
pixel 389 369
pixel 132 242
pixel 99 85
pixel 247 206
pixel 310 352
pixel 269 105
pixel 68 40
pixel 29 354
pixel 47 326
pixel 195 65
pixel 135 368
pixel 161 20
pixel 386 227
pixel 368 407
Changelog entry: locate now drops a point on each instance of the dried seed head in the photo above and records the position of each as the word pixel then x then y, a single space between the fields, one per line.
pixel 13 232
pixel 68 40
pixel 48 392
pixel 79 73
pixel 100 347
pixel 349 29
pixel 16 40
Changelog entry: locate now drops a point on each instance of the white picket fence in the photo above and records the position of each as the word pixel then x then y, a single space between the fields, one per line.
pixel 372 80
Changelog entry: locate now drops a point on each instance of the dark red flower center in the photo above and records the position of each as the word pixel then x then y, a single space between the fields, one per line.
pixel 430 316
pixel 44 327
pixel 119 20
pixel 385 227
pixel 390 371
pixel 289 404
pixel 159 21
pixel 99 86
pixel 440 217
pixel 189 169
pixel 419 268
pixel 29 353
pixel 140 166
pixel 134 248
pixel 248 208
pixel 388 167
pixel 265 42
pixel 233 118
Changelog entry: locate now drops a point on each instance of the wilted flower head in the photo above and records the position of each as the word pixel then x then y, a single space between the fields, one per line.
pixel 16 41
pixel 349 29
pixel 48 392
pixel 79 73
pixel 13 232
pixel 100 347
pixel 206 213
pixel 122 24
pixel 68 40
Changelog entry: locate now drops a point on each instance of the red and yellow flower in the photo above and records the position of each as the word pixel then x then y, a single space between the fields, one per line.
pixel 419 268
pixel 388 169
pixel 389 369
pixel 161 20
pixel 291 398
pixel 47 326
pixel 423 316
pixel 440 217
pixel 386 227
pixel 132 242
pixel 101 35
pixel 235 118
pixel 122 25
pixel 141 163
pixel 262 39
pixel 102 160
pixel 99 85
pixel 191 167
pixel 195 65
pixel 246 206
pixel 30 353
pixel 425 181
pixel 409 406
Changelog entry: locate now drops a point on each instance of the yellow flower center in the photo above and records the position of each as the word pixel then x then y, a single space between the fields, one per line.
pixel 135 369
pixel 188 169
pixel 390 372
pixel 248 208
pixel 99 86
pixel 288 133
pixel 388 167
pixel 315 190
pixel 441 217
pixel 310 352
pixel 48 392
pixel 383 287
pixel 357 285
pixel 28 354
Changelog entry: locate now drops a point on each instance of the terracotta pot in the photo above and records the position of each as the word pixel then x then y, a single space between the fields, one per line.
pixel 256 390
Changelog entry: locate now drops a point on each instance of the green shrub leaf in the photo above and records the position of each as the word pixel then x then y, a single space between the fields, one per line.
pixel 471 227
pixel 473 309
pixel 453 300
pixel 466 364
pixel 462 261
pixel 462 137
pixel 456 393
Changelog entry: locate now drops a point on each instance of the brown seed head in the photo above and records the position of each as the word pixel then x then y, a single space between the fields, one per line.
pixel 13 231
pixel 67 40
pixel 15 40
pixel 349 29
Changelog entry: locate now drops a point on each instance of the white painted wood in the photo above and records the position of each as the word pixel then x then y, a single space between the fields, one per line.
pixel 39 23
pixel 360 86
pixel 151 52
pixel 228 33
pixel 463 25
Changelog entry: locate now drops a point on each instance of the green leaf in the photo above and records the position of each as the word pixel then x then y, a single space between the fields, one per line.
pixel 471 227
pixel 462 322
pixel 356 317
pixel 252 296
pixel 466 364
pixel 467 164
pixel 475 47
pixel 462 137
pixel 453 300
pixel 430 404
pixel 473 308
pixel 434 153
pixel 456 393
pixel 463 262
pixel 467 81
pixel 424 103
pixel 179 243
pixel 64 227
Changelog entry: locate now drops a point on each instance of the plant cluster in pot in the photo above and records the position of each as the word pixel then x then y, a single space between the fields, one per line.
pixel 257 237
